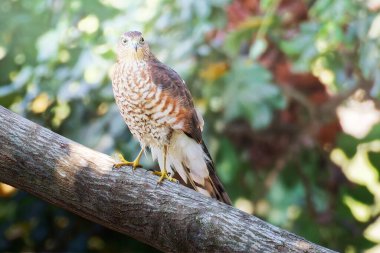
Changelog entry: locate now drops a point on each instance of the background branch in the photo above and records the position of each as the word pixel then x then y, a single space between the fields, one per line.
pixel 169 217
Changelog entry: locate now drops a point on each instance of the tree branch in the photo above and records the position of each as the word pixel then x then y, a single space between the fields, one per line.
pixel 169 217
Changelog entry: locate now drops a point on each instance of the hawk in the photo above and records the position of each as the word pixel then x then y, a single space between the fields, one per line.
pixel 159 111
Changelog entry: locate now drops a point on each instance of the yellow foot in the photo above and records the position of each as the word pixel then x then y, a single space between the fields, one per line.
pixel 164 176
pixel 135 164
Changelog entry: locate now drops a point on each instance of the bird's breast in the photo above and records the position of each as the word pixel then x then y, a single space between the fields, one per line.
pixel 143 105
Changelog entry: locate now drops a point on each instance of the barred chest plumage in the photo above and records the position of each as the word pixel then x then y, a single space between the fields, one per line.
pixel 139 101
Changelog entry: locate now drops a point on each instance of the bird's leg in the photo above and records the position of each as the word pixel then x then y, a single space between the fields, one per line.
pixel 135 164
pixel 164 173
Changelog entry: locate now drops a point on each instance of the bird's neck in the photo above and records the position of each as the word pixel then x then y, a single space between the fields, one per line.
pixel 135 59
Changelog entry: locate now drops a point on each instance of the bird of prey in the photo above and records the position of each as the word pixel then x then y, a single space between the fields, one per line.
pixel 159 111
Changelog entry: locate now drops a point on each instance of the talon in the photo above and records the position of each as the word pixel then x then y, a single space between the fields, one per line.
pixel 121 158
pixel 135 164
pixel 164 173
pixel 164 176
pixel 157 173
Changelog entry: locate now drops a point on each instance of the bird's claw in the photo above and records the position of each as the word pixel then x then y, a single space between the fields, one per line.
pixel 135 164
pixel 164 176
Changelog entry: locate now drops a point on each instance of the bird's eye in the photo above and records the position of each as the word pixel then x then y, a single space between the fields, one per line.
pixel 124 41
pixel 142 40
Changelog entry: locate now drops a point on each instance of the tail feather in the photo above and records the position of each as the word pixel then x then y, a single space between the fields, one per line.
pixel 215 185
pixel 194 166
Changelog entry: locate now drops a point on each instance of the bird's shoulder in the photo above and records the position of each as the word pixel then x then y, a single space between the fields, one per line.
pixel 167 79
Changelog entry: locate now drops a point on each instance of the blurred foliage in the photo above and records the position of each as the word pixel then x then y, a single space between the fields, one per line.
pixel 279 83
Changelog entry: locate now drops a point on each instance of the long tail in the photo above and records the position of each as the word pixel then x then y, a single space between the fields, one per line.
pixel 194 165
pixel 213 184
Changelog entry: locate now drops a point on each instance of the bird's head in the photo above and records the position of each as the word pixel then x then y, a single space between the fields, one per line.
pixel 132 46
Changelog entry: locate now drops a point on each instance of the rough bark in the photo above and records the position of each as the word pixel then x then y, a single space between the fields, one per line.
pixel 169 217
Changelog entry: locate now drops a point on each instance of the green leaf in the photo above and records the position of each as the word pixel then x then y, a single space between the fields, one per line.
pixel 234 41
pixel 228 161
pixel 361 194
pixel 374 159
pixel 374 134
pixel 348 144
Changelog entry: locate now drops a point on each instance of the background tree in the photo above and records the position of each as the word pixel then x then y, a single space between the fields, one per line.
pixel 289 91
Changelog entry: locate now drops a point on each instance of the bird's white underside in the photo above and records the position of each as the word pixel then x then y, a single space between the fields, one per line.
pixel 184 151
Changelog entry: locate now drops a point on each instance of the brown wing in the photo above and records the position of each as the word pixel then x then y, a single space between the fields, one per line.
pixel 172 84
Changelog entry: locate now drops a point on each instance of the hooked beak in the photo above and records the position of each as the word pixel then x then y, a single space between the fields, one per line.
pixel 135 46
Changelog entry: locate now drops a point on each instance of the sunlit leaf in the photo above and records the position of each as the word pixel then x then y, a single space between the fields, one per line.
pixel 348 144
pixel 257 48
pixel 40 103
pixel 374 159
pixel 361 193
